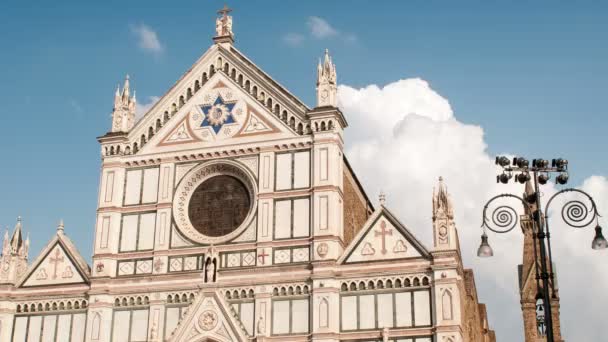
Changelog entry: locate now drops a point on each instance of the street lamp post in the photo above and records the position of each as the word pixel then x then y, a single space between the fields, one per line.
pixel 575 213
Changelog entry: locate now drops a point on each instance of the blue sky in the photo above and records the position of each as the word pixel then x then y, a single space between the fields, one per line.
pixel 532 74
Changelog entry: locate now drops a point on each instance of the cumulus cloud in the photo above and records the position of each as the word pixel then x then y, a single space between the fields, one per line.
pixel 147 39
pixel 293 39
pixel 403 136
pixel 143 108
pixel 320 28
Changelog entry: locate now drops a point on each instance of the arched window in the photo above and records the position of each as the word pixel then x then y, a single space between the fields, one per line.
pixel 292 122
pixel 211 70
pixel 277 109
pixel 226 68
pixel 150 133
pixel 323 126
pixel 158 125
pixel 188 94
pixel 247 85
pixel 300 129
pixel 254 91
pixel 241 80
pixel 233 74
pixel 181 101
pixel 284 116
pixel 269 103
pixel 166 117
pixel 197 86
pixel 204 78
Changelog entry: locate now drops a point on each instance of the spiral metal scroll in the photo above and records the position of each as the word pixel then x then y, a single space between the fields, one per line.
pixel 503 218
pixel 576 213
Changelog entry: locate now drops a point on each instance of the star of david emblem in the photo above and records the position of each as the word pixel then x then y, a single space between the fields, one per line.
pixel 218 114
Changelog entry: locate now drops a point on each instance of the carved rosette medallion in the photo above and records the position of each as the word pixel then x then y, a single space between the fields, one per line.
pixel 209 216
pixel 207 320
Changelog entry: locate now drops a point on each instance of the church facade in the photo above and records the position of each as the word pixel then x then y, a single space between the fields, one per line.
pixel 229 213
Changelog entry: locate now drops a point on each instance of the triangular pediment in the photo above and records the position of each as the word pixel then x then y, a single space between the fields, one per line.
pixel 218 114
pixel 59 263
pixel 383 237
pixel 224 96
pixel 209 316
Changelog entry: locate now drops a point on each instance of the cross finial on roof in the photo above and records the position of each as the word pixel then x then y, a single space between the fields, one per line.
pixel 224 11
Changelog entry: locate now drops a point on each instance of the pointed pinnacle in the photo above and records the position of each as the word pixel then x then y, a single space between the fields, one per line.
pixel 61 225
pixel 382 198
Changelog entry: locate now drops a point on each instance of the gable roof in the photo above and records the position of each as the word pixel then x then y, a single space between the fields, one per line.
pixel 246 119
pixel 363 249
pixel 213 58
pixel 209 316
pixel 69 267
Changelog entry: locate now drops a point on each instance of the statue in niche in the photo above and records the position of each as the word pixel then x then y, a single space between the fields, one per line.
pixel 385 334
pixel 261 327
pixel 210 271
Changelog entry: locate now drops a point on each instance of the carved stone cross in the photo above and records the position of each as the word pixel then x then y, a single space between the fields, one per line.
pixel 56 260
pixel 262 257
pixel 383 232
pixel 224 11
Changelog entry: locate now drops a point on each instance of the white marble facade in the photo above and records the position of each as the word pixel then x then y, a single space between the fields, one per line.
pixel 288 270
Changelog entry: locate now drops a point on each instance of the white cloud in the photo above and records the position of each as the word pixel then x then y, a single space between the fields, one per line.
pixel 320 28
pixel 404 136
pixel 147 39
pixel 293 39
pixel 143 108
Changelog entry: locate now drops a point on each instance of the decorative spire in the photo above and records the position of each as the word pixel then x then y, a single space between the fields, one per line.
pixel 442 203
pixel 6 245
pixel 223 26
pixel 326 82
pixel 126 89
pixel 61 226
pixel 26 250
pixel 14 255
pixel 382 198
pixel 444 228
pixel 123 116
pixel 17 238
